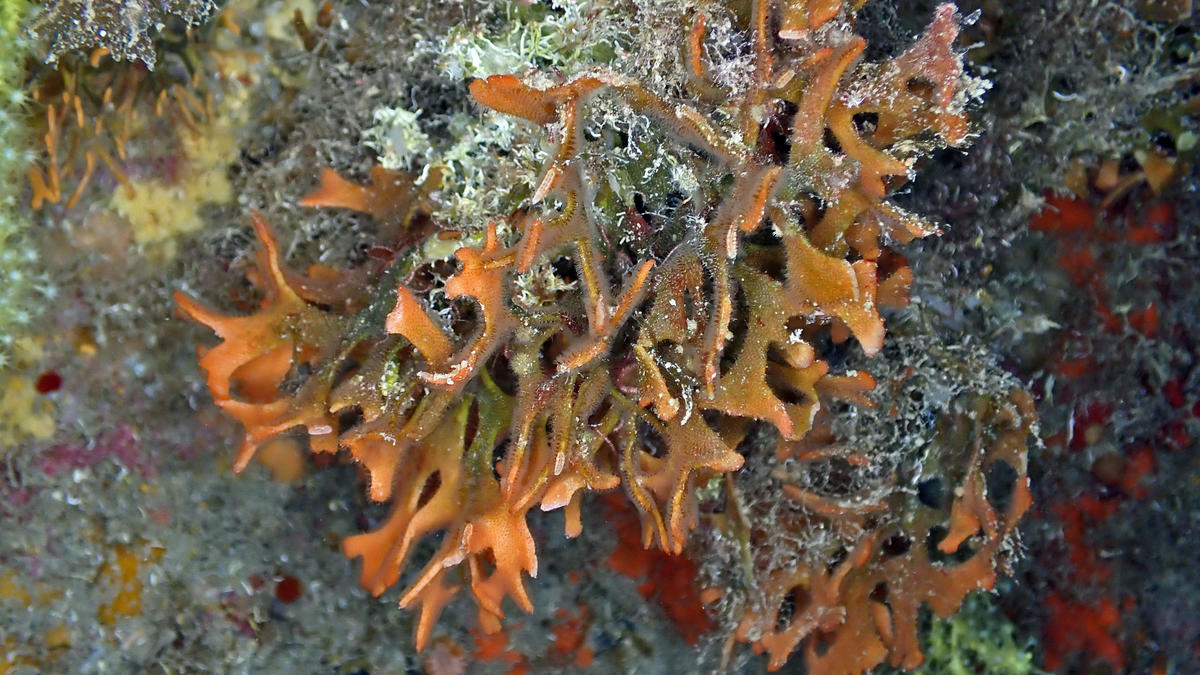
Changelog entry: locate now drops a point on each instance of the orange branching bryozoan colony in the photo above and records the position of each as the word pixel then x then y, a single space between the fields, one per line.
pixel 548 360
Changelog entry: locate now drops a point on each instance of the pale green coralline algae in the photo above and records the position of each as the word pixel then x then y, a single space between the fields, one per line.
pixel 486 148
pixel 532 37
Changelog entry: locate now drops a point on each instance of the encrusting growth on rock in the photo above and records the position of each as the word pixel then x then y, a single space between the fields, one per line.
pixel 472 391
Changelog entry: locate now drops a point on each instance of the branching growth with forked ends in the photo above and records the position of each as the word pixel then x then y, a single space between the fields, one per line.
pixel 557 355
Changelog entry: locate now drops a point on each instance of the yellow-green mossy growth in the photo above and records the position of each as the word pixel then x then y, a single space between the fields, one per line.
pixel 16 253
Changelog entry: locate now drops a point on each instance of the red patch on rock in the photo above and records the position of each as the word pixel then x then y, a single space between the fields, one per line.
pixel 288 590
pixel 668 580
pixel 48 382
